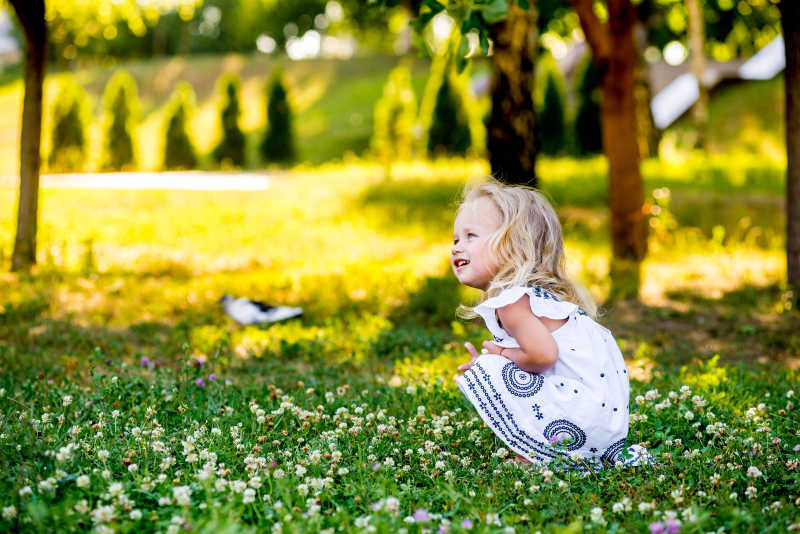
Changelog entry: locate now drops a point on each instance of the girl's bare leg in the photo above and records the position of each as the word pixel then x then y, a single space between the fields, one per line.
pixel 520 460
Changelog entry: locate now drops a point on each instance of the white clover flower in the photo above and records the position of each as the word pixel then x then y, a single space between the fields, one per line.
pixel 278 473
pixel 254 482
pixel 102 454
pixel 25 491
pixel 315 456
pixel 751 492
pixel 299 470
pixel 790 394
pixel 249 496
pixel 562 485
pixel 66 400
pixel 596 515
pixel 361 522
pixel 135 515
pixel 302 489
pixel 9 512
pixel 133 468
pixel 220 484
pixel 103 529
pixel 164 501
pixel 343 471
pixel 182 495
pixel 103 514
pixel 493 519
pixel 689 415
pixel 644 507
pixel 48 484
pixel 733 496
pixel 115 489
pixel 754 472
pixel 82 507
pixel 617 507
pixel 639 399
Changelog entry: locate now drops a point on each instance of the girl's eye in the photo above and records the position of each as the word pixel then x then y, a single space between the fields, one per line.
pixel 455 241
pixel 472 235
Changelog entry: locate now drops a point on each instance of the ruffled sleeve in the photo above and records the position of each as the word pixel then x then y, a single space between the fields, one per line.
pixel 543 304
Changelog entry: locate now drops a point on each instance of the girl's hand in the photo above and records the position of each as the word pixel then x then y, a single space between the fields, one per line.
pixel 473 355
pixel 491 348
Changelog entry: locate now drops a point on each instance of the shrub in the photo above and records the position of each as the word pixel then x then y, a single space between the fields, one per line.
pixel 395 115
pixel 278 144
pixel 230 150
pixel 178 150
pixel 121 104
pixel 68 135
pixel 449 132
pixel 588 128
pixel 551 114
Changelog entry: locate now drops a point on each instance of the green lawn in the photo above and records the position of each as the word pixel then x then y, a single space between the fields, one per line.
pixel 348 419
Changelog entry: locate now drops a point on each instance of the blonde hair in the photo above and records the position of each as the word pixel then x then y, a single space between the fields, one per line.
pixel 527 247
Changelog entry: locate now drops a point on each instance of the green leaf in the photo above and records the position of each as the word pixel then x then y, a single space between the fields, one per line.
pixel 495 11
pixel 524 4
pixel 483 39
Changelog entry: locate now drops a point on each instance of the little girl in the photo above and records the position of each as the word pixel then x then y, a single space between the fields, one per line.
pixel 552 383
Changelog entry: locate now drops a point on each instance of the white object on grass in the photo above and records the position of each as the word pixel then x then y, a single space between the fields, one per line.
pixel 246 311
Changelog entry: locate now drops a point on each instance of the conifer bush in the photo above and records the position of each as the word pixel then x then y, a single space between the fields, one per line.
pixel 395 116
pixel 230 150
pixel 449 132
pixel 179 152
pixel 588 128
pixel 278 145
pixel 121 105
pixel 552 114
pixel 68 146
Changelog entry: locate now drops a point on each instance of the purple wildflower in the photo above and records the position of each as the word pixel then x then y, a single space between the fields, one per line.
pixel 673 526
pixel 50 381
pixel 376 466
pixel 199 382
pixel 228 382
pixel 376 506
pixel 466 524
pixel 421 514
pixel 108 362
pixel 657 528
pixel 197 362
pixel 212 377
pixel 145 361
pixel 796 448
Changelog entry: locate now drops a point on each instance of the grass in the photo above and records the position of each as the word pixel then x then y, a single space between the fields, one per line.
pixel 348 419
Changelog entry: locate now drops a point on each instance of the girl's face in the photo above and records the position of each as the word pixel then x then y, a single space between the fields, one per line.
pixel 470 258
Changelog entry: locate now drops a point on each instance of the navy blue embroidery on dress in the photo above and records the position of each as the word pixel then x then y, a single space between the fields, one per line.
pixel 593 449
pixel 561 426
pixel 537 410
pixel 612 454
pixel 497 339
pixel 540 450
pixel 521 383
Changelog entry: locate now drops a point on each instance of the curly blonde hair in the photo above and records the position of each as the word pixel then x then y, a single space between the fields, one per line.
pixel 527 247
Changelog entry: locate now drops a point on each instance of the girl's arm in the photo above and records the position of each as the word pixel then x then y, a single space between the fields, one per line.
pixel 538 349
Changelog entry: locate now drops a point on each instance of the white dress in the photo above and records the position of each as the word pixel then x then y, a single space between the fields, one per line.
pixel 576 410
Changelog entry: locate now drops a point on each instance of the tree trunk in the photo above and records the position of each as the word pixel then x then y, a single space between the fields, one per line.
pixel 790 20
pixel 648 134
pixel 510 133
pixel 614 50
pixel 30 14
pixel 697 47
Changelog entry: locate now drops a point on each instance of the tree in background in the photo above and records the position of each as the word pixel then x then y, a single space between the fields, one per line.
pixel 230 150
pixel 449 132
pixel 511 131
pixel 395 116
pixel 551 115
pixel 69 123
pixel 121 105
pixel 697 41
pixel 30 14
pixel 614 50
pixel 588 130
pixel 179 152
pixel 790 18
pixel 278 144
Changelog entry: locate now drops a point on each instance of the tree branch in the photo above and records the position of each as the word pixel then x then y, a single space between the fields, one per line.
pixel 595 31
